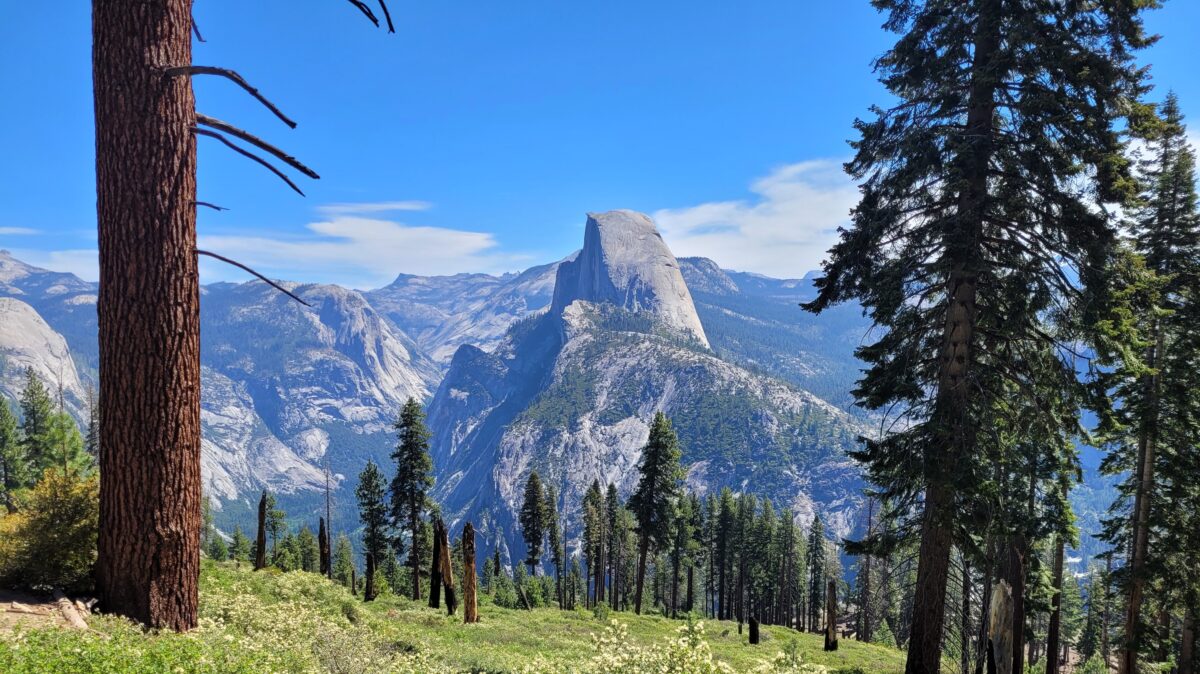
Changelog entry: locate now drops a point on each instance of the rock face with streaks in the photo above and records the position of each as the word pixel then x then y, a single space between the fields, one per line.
pixel 570 393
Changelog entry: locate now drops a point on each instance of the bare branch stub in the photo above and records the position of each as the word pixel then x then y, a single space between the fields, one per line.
pixel 250 155
pixel 243 267
pixel 387 15
pixel 208 205
pixel 362 7
pixel 237 79
pixel 257 142
pixel 196 31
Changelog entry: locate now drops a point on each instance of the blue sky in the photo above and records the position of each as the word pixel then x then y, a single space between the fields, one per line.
pixel 478 136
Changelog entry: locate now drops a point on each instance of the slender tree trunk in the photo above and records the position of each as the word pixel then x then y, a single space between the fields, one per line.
pixel 643 548
pixel 445 568
pixel 965 631
pixel 831 603
pixel 674 585
pixel 149 313
pixel 353 580
pixel 952 403
pixel 260 541
pixel 1016 577
pixel 722 611
pixel 435 568
pixel 470 603
pixel 1105 647
pixel 1187 646
pixel 981 648
pixel 1128 663
pixel 323 544
pixel 688 602
pixel 369 590
pixel 414 559
pixel 1052 638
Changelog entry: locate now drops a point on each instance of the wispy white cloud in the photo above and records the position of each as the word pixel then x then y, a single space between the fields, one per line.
pixel 373 207
pixel 360 252
pixel 783 231
pixel 82 262
pixel 18 231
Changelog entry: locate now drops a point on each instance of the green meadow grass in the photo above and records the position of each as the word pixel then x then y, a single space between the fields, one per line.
pixel 300 622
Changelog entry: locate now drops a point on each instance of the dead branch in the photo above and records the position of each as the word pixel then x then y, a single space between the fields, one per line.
pixel 251 155
pixel 362 7
pixel 387 15
pixel 237 79
pixel 257 142
pixel 196 30
pixel 243 267
pixel 208 205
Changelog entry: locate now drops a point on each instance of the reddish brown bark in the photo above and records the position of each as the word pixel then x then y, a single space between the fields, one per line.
pixel 148 309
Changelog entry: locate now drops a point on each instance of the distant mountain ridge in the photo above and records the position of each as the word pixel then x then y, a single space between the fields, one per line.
pixel 289 390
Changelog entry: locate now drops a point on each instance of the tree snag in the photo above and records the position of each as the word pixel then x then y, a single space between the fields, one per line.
pixel 831 635
pixel 445 568
pixel 470 605
pixel 260 541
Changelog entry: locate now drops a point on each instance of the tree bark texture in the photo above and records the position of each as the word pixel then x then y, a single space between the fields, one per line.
pixel 1052 638
pixel 831 635
pixel 445 568
pixel 643 549
pixel 1000 635
pixel 1187 646
pixel 470 603
pixel 149 313
pixel 369 589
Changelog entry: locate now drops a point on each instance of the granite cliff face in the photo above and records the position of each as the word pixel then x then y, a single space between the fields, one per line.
pixel 626 264
pixel 570 393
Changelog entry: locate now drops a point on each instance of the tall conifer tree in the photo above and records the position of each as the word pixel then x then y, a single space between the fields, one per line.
pixel 410 486
pixel 971 207
pixel 656 491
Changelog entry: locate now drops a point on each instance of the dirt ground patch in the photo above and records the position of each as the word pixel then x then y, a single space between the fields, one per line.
pixel 19 608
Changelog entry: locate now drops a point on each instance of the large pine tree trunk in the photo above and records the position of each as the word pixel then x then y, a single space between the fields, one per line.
pixel 951 414
pixel 965 628
pixel 1000 636
pixel 643 549
pixel 1187 647
pixel 369 590
pixel 1052 638
pixel 149 313
pixel 470 603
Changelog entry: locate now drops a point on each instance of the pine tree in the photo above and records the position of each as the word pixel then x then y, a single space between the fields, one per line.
pixel 1151 429
pixel 970 210
pixel 310 555
pixel 373 513
pixel 239 546
pixel 410 487
pixel 260 542
pixel 343 561
pixel 64 447
pixel 616 551
pixel 657 487
pixel 724 552
pixel 816 573
pixel 216 549
pixel 14 467
pixel 595 515
pixel 554 536
pixel 206 521
pixel 533 521
pixel 37 415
